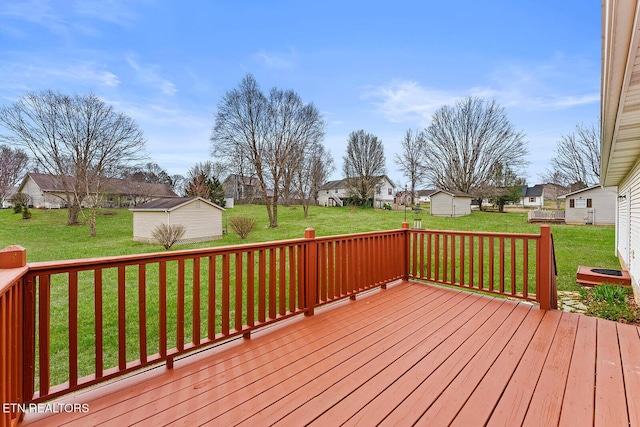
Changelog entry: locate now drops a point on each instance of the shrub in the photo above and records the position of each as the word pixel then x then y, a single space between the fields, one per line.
pixel 242 225
pixel 17 208
pixel 610 302
pixel 26 213
pixel 168 235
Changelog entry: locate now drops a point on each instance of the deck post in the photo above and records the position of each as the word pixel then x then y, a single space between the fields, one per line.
pixel 544 268
pixel 406 251
pixel 311 271
pixel 13 257
pixel 13 262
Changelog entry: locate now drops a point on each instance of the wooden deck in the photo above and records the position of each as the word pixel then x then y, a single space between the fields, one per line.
pixel 412 353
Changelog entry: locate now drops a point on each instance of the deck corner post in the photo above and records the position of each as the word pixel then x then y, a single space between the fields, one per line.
pixel 311 271
pixel 13 257
pixel 544 268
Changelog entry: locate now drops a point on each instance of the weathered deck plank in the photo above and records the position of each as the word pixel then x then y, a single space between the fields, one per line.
pixel 410 353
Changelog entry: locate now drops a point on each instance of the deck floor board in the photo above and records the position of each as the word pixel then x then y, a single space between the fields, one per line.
pixel 410 353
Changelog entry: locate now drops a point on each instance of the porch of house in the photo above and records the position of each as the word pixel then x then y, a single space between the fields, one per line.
pixel 411 353
pixel 348 329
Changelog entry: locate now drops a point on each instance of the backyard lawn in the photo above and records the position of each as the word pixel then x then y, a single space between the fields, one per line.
pixel 46 237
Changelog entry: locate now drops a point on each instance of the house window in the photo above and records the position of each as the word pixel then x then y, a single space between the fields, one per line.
pixel 580 203
pixel 532 199
pixel 389 191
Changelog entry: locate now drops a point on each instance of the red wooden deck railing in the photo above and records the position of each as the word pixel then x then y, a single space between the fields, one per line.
pixel 518 265
pixel 65 325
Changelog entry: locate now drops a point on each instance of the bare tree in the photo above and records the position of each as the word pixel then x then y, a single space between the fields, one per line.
pixel 578 156
pixel 78 138
pixel 269 134
pixel 150 172
pixel 314 170
pixel 178 184
pixel 364 163
pixel 555 185
pixel 466 141
pixel 412 161
pixel 13 166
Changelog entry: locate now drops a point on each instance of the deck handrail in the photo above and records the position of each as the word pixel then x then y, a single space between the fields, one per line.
pixel 151 308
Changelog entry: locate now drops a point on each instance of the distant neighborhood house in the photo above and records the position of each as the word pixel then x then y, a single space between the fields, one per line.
pixel 532 196
pixel 242 189
pixel 47 191
pixel 336 193
pixel 450 203
pixel 7 201
pixel 594 205
pixel 201 218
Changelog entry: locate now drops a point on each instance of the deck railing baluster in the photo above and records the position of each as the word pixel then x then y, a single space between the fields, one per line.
pixel 73 328
pixel 142 311
pixel 195 316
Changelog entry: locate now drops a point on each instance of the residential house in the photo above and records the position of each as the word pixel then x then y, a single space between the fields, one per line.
pixel 201 218
pixel 532 197
pixel 620 126
pixel 593 205
pixel 332 193
pixel 47 191
pixel 7 201
pixel 335 193
pixel 241 189
pixel 424 196
pixel 450 203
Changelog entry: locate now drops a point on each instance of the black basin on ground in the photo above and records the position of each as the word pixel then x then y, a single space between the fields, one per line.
pixel 607 271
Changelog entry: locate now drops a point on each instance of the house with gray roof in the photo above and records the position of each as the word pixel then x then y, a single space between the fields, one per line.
pixel 49 191
pixel 335 193
pixel 532 197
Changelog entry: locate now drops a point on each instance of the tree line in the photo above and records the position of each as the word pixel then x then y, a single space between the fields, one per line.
pixel 276 138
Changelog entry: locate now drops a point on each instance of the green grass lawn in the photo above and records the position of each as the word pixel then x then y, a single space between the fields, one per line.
pixel 46 237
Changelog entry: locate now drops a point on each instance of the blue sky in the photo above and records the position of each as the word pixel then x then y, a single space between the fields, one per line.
pixel 375 65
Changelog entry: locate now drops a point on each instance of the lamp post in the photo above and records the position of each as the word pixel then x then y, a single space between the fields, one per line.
pixel 404 202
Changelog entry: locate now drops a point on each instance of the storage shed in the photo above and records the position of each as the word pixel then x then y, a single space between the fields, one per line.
pixel 201 218
pixel 450 203
pixel 594 205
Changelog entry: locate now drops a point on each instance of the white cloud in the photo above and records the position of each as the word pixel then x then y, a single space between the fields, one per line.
pixel 25 73
pixel 113 11
pixel 557 85
pixel 39 12
pixel 407 101
pixel 277 60
pixel 149 75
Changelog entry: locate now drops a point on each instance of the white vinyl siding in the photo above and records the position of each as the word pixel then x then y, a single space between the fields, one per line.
pixel 628 238
pixel 444 204
pixel 593 206
pixel 202 223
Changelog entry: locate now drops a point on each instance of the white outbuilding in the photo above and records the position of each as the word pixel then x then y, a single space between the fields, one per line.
pixel 594 205
pixel 450 203
pixel 201 218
